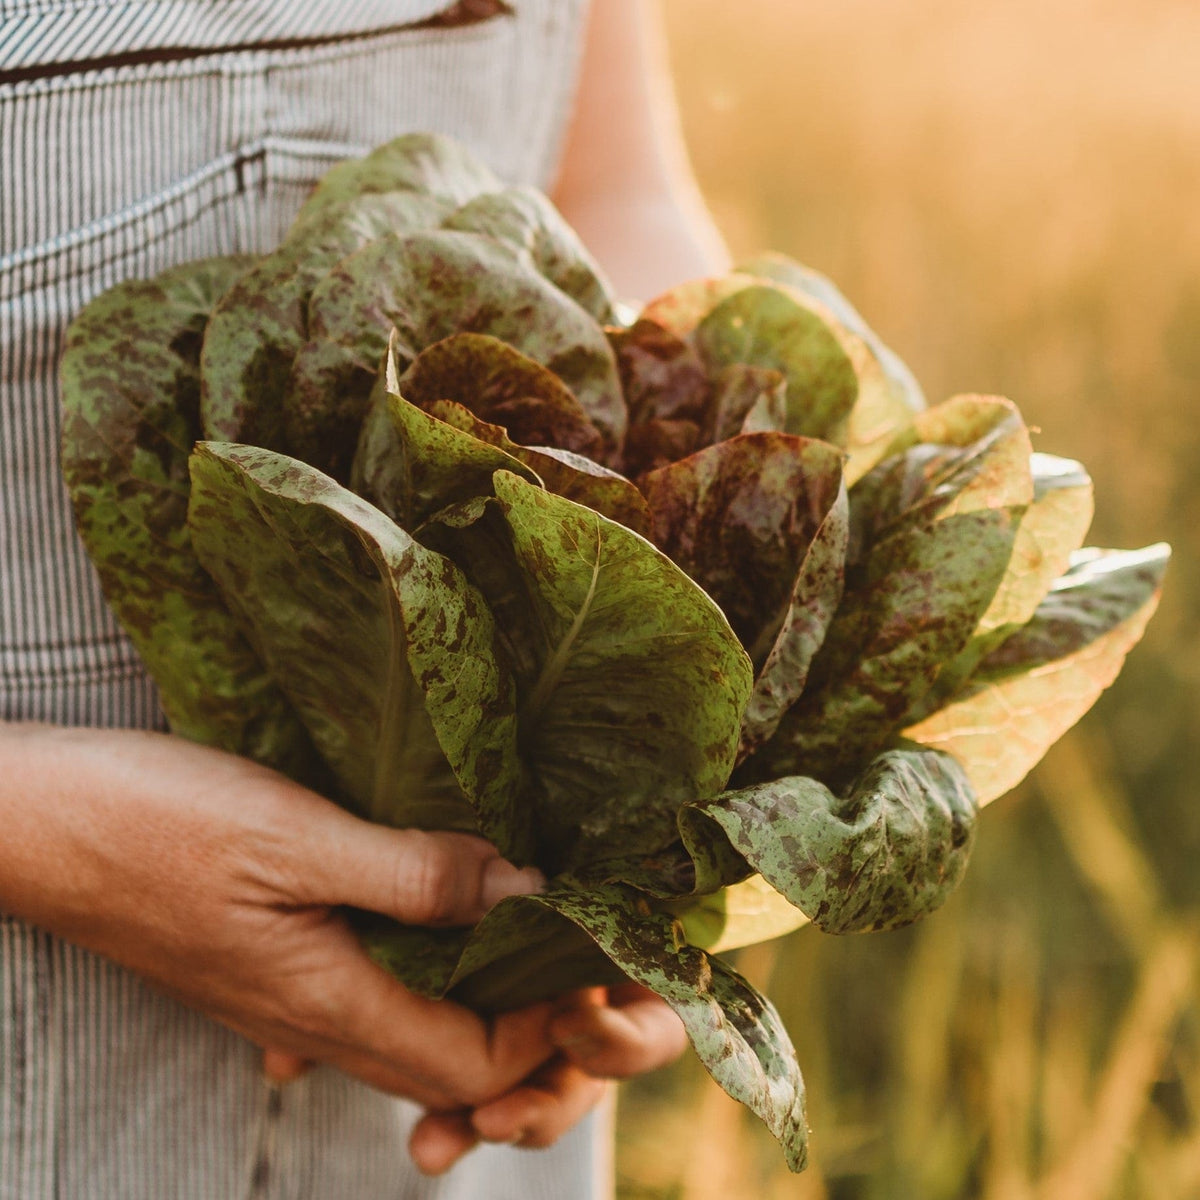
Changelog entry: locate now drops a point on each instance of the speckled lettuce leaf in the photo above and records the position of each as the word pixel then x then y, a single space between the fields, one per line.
pixel 657 442
pixel 967 454
pixel 681 308
pixel 903 386
pixel 734 1030
pixel 815 596
pixel 1027 693
pixel 535 946
pixel 661 374
pixel 932 533
pixel 632 698
pixel 411 465
pixel 430 286
pixel 764 327
pixel 131 394
pixel 524 218
pixel 382 646
pixel 888 393
pixel 887 852
pixel 562 472
pixel 504 387
pixel 423 163
pixel 747 400
pixel 760 522
pixel 260 324
pixel 1052 529
pixel 882 405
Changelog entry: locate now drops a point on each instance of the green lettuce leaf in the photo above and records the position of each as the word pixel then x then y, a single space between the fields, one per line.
pixel 260 324
pixel 1027 693
pixel 382 646
pixel 764 327
pixel 524 218
pixel 430 286
pixel 560 471
pixel 504 387
pixel 420 164
pixel 885 854
pixel 131 394
pixel 631 683
pixel 932 534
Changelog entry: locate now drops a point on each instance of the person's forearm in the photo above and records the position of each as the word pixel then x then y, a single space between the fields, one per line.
pixel 43 876
pixel 220 882
pixel 625 182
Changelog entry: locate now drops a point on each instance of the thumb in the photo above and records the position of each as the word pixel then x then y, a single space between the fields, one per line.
pixel 417 877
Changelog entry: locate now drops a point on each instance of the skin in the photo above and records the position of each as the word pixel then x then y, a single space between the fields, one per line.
pixel 216 880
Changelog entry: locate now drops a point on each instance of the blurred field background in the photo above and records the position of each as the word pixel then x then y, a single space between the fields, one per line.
pixel 1010 193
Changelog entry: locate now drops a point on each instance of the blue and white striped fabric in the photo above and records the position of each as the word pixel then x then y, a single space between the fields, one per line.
pixel 134 135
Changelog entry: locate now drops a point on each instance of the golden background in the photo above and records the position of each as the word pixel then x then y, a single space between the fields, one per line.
pixel 1010 194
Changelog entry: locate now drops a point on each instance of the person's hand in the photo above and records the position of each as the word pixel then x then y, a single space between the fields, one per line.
pixel 216 880
pixel 602 1034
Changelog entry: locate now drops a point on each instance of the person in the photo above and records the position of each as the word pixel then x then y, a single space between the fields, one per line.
pixel 171 961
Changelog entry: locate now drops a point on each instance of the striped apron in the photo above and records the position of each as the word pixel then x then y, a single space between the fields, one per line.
pixel 135 135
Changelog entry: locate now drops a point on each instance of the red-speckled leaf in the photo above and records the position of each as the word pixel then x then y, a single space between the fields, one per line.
pixel 382 646
pixel 411 465
pixel 131 395
pixel 747 400
pixel 504 387
pixel 760 522
pixel 1027 693
pixel 733 1028
pixel 638 685
pixel 1051 530
pixel 885 853
pixel 888 390
pixel 764 327
pixel 430 286
pixel 661 375
pixel 560 471
pixel 260 324
pixel 657 442
pixel 524 218
pixel 927 553
pixel 425 164
pixel 887 395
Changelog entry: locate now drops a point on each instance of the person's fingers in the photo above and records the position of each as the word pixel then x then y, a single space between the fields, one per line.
pixel 420 878
pixel 280 1066
pixel 442 1045
pixel 634 1032
pixel 538 1112
pixel 439 1140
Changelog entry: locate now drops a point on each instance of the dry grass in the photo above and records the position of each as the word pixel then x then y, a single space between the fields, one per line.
pixel 1009 193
